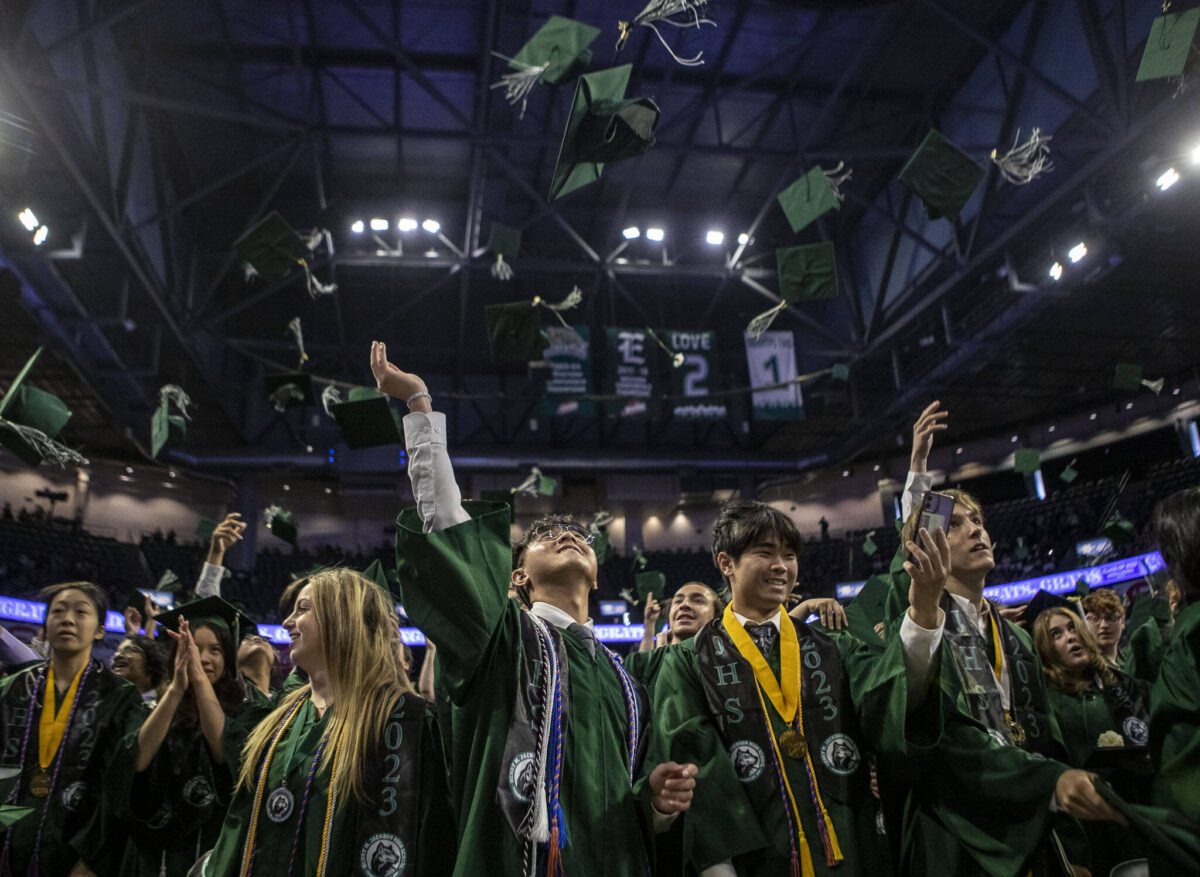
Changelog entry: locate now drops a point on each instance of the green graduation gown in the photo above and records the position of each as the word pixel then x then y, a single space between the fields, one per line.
pixel 434 853
pixel 1175 720
pixel 91 793
pixel 722 823
pixel 644 666
pixel 179 801
pixel 455 586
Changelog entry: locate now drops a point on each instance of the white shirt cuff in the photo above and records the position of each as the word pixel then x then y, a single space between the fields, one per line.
pixel 915 487
pixel 209 583
pixel 920 646
pixel 662 821
pixel 438 499
pixel 725 869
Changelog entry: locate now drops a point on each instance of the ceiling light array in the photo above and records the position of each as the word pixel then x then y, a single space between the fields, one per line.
pixel 404 225
pixel 29 221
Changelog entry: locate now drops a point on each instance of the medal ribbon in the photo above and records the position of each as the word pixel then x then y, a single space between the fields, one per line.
pixel 52 725
pixel 784 692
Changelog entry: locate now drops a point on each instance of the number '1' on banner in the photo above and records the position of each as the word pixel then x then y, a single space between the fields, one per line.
pixel 772 361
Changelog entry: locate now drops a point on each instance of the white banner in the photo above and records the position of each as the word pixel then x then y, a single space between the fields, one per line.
pixel 772 360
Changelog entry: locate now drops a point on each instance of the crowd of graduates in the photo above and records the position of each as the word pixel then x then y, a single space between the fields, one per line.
pixel 920 730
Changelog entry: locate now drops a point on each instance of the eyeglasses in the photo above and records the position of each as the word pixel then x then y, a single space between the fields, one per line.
pixel 553 532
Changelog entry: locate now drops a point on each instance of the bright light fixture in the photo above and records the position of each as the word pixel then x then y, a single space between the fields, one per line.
pixel 655 234
pixel 28 219
pixel 1196 154
pixel 1077 252
pixel 632 233
pixel 1056 271
pixel 406 223
pixel 432 226
pixel 378 224
pixel 287 487
pixel 39 236
pixel 714 237
pixel 1167 179
pixel 743 239
pixel 357 226
pixel 1014 439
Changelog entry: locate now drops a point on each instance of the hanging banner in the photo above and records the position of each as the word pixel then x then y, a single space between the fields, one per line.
pixel 772 360
pixel 629 367
pixel 697 377
pixel 570 372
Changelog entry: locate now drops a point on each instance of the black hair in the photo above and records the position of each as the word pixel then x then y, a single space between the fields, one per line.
pixel 1177 528
pixel 746 522
pixel 154 656
pixel 94 593
pixel 230 689
pixel 541 525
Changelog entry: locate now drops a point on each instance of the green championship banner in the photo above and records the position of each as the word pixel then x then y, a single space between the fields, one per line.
pixel 772 361
pixel 630 357
pixel 570 372
pixel 697 377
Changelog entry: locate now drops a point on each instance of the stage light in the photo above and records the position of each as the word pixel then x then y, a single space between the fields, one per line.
pixel 1175 392
pixel 632 233
pixel 845 473
pixel 39 236
pixel 357 226
pixel 1092 416
pixel 714 237
pixel 287 487
pixel 875 468
pixel 431 253
pixel 1167 179
pixel 1014 439
pixel 1128 406
pixel 432 226
pixel 406 223
pixel 958 451
pixel 171 472
pixel 655 234
pixel 28 219
pixel 1051 428
pixel 1196 154
pixel 328 490
pixel 1077 252
pixel 1056 271
pixel 378 224
pixel 743 239
pixel 128 470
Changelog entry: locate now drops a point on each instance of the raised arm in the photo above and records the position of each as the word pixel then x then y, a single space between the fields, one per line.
pixel 932 420
pixel 154 730
pixel 227 534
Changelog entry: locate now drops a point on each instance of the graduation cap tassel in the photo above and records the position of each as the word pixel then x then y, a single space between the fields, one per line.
pixel 316 288
pixel 574 297
pixel 293 327
pixel 518 84
pixel 1025 161
pixel 676 13
pixel 676 358
pixel 170 393
pixel 1155 386
pixel 501 270
pixel 249 272
pixel 836 177
pixel 529 487
pixel 763 321
pixel 330 396
pixel 55 452
pixel 285 394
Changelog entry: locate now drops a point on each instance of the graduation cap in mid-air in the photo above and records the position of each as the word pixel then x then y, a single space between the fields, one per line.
pixel 603 126
pixel 1026 461
pixel 282 525
pixel 1169 48
pixel 367 419
pixel 649 582
pixel 812 196
pixel 942 176
pixel 376 573
pixel 869 548
pixel 504 242
pixel 31 419
pixel 806 273
pixel 290 390
pixel 1127 376
pixel 558 50
pixel 840 371
pixel 515 332
pixel 1069 473
pixel 165 426
pixel 205 527
pixel 1119 529
pixel 212 609
pixel 272 249
pixel 11 814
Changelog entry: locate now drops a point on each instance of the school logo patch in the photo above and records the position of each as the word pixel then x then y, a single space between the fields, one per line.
pixel 73 796
pixel 522 776
pixel 840 754
pixel 198 792
pixel 383 855
pixel 280 804
pixel 1136 731
pixel 748 760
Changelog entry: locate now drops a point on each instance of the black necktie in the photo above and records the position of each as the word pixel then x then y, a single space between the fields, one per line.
pixel 586 634
pixel 764 636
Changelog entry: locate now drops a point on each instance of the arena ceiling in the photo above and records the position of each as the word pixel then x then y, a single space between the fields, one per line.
pixel 149 136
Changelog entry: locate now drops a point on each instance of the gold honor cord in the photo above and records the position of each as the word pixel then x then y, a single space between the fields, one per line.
pixel 1014 727
pixel 784 693
pixel 52 724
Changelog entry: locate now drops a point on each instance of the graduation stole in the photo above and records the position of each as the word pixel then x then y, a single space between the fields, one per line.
pixel 71 784
pixel 1126 699
pixel 822 735
pixel 1027 722
pixel 531 773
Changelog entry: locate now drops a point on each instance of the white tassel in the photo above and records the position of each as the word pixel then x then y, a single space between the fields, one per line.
pixel 293 326
pixel 1025 161
pixel 53 451
pixel 676 13
pixel 676 358
pixel 763 321
pixel 518 84
pixel 574 297
pixel 283 395
pixel 501 270
pixel 330 396
pixel 836 177
pixel 173 394
pixel 528 487
pixel 249 272
pixel 1155 386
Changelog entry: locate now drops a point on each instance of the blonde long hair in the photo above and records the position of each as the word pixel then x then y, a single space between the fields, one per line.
pixel 359 637
pixel 1056 671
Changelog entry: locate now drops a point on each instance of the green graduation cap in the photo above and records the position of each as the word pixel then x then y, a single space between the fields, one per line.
pixel 1127 376
pixel 560 46
pixel 1082 588
pixel 515 332
pixel 505 242
pixel 367 419
pixel 1169 46
pixel 601 545
pixel 1119 530
pixel 1026 461
pixel 205 527
pixel 1070 473
pixel 647 583
pixel 603 126
pixel 840 371
pixel 273 248
pixel 165 427
pixel 546 486
pixel 11 814
pixel 869 548
pixel 210 609
pixel 282 525
pixel 1044 600
pixel 290 390
pixel 808 199
pixel 807 272
pixel 376 573
pixel 941 175
pixel 868 608
pixel 24 409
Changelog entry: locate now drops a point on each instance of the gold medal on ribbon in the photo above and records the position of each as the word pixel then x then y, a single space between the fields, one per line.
pixel 39 785
pixel 792 743
pixel 1015 731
